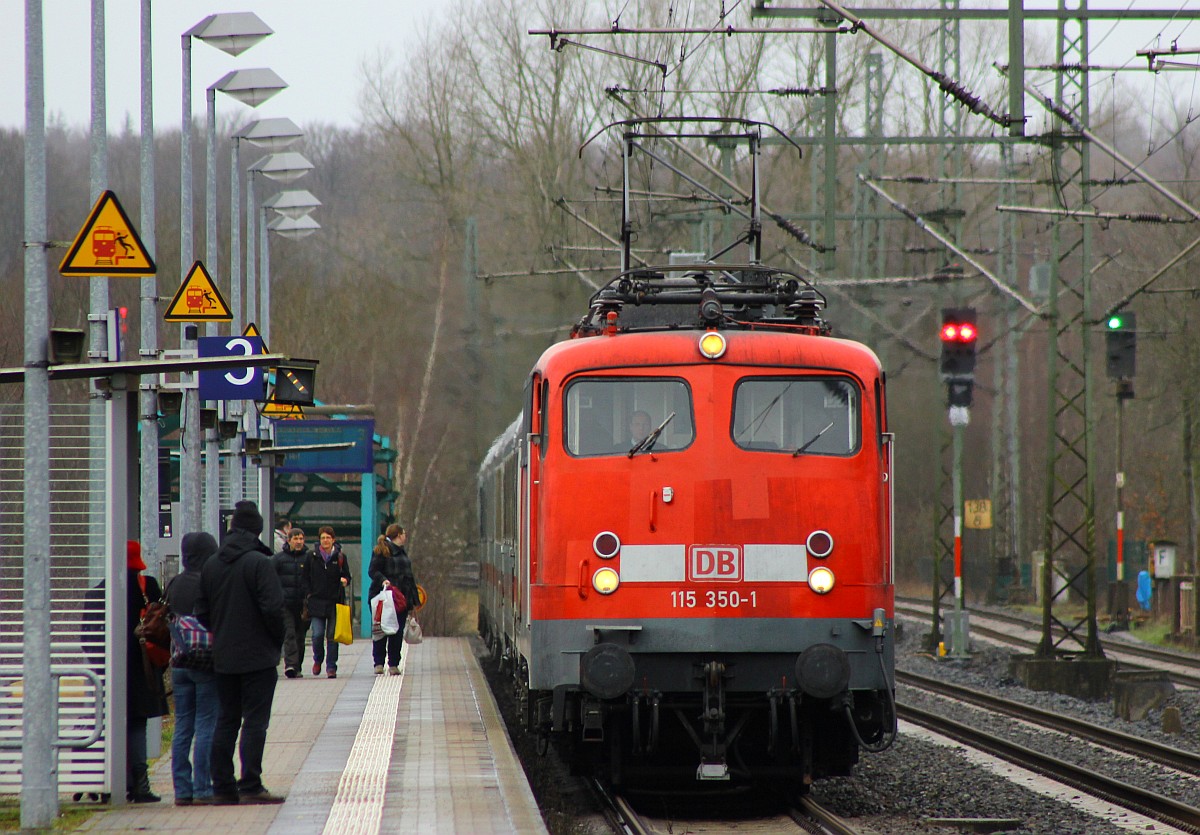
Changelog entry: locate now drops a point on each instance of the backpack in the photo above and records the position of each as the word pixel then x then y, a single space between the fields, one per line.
pixel 191 643
pixel 152 632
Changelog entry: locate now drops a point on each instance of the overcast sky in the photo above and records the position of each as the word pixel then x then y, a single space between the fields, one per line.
pixel 318 49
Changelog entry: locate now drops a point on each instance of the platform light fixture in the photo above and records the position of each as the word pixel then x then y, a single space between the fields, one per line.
pixel 170 401
pixel 66 345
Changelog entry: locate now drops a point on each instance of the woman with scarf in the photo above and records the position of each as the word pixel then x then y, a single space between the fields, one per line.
pixel 328 577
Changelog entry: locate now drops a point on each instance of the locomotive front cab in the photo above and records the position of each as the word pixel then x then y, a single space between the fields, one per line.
pixel 713 581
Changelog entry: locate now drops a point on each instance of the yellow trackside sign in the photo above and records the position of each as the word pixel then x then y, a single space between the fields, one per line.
pixel 198 299
pixel 107 245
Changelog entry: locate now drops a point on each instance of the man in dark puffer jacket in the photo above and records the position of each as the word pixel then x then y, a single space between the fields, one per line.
pixel 241 601
pixel 291 564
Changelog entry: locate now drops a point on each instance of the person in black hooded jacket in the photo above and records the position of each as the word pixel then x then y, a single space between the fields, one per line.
pixel 291 564
pixel 196 701
pixel 241 601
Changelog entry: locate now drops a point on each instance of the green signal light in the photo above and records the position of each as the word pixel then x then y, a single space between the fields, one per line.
pixel 1115 323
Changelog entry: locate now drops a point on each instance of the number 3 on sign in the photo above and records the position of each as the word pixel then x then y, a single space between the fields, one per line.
pixel 247 374
pixel 978 514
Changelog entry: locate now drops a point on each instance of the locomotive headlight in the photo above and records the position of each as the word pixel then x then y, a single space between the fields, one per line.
pixel 606 580
pixel 606 545
pixel 712 345
pixel 820 580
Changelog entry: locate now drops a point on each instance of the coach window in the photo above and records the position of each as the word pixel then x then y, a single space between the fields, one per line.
pixel 797 415
pixel 609 415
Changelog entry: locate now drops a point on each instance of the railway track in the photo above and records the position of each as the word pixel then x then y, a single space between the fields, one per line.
pixel 1184 669
pixel 625 816
pixel 1152 805
pixel 1184 761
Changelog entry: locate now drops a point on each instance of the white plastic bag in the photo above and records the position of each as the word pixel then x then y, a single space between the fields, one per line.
pixel 383 612
pixel 412 632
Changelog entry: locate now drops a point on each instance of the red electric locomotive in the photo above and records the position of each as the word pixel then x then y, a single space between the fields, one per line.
pixel 686 535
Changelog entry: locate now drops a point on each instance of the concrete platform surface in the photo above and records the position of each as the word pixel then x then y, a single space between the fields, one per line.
pixel 423 752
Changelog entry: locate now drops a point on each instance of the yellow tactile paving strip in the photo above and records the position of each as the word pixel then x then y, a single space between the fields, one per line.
pixel 358 806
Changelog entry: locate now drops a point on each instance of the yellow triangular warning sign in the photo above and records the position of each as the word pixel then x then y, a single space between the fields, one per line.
pixel 198 299
pixel 252 331
pixel 275 410
pixel 107 244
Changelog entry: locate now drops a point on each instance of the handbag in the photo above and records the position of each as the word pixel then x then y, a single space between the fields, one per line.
pixel 191 643
pixel 386 608
pixel 343 633
pixel 152 632
pixel 412 632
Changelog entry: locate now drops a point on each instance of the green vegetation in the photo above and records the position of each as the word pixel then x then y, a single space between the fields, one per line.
pixel 70 815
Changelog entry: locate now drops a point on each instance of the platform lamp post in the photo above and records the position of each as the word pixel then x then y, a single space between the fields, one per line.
pixel 39 775
pixel 294 209
pixel 251 87
pixel 297 224
pixel 271 135
pixel 282 168
pixel 232 33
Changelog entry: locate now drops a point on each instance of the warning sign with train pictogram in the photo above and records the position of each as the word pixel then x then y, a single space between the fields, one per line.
pixel 107 245
pixel 198 299
pixel 275 410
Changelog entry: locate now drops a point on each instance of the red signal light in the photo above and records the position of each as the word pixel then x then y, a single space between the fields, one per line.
pixel 958 332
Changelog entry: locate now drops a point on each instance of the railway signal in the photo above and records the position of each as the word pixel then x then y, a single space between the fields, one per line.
pixel 1120 346
pixel 959 335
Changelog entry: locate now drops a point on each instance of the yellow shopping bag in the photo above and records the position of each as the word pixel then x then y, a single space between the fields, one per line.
pixel 343 632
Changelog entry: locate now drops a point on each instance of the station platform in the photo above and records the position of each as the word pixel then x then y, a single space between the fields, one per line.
pixel 422 752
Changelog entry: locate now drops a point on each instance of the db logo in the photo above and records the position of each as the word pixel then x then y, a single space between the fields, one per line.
pixel 714 562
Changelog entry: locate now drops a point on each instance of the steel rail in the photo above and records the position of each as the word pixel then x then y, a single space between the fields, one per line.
pixel 830 823
pixel 1162 809
pixel 1155 654
pixel 616 810
pixel 1164 755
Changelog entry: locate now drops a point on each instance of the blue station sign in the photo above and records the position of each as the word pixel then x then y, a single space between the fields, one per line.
pixel 235 383
pixel 359 458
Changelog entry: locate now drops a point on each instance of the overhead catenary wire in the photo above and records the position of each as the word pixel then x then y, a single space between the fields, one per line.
pixel 950 245
pixel 562 203
pixel 948 85
pixel 557 46
pixel 1096 214
pixel 1135 169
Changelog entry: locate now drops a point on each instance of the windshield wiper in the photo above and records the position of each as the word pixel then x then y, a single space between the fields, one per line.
pixel 762 416
pixel 812 440
pixel 647 443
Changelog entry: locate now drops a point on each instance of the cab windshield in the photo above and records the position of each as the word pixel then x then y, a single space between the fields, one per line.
pixel 797 415
pixel 615 416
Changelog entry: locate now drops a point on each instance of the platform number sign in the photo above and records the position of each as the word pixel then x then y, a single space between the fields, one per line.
pixel 978 514
pixel 232 383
